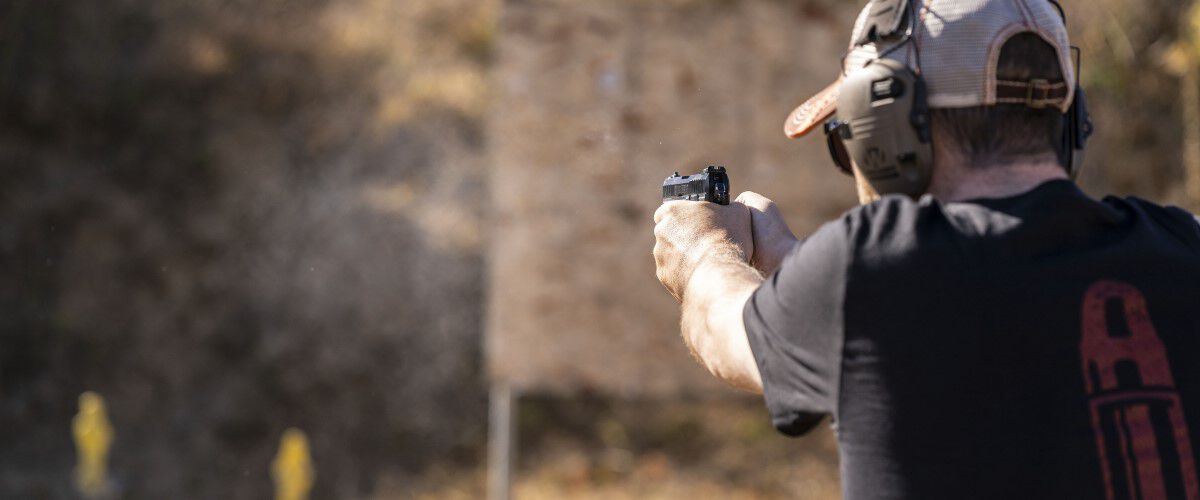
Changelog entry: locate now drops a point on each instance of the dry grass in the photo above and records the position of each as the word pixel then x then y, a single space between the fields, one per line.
pixel 613 450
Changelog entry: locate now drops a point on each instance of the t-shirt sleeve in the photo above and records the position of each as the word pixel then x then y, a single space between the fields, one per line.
pixel 794 325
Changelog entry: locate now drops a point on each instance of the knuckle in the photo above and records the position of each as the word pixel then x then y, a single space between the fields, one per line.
pixel 664 212
pixel 661 212
pixel 755 200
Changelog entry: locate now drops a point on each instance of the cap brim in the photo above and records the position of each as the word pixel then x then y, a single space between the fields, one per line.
pixel 813 112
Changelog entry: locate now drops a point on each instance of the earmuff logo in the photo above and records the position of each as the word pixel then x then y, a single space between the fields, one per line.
pixel 876 164
pixel 876 160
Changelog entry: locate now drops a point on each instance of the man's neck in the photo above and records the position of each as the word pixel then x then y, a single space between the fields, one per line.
pixel 957 182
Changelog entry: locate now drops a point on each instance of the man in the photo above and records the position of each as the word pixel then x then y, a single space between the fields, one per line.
pixel 991 333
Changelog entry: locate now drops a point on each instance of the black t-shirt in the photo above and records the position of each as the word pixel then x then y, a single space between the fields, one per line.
pixel 1045 345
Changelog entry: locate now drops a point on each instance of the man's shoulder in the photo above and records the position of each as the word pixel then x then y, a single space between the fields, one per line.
pixel 1174 221
pixel 1150 208
pixel 896 225
pixel 863 234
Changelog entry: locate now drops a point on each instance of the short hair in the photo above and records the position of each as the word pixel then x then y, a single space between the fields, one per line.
pixel 1003 134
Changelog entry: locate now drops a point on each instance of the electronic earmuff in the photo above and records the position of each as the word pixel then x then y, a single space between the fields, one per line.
pixel 883 120
pixel 1077 129
pixel 1077 122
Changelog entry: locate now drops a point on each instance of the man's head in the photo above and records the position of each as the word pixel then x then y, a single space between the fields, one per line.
pixel 998 78
pixel 1004 134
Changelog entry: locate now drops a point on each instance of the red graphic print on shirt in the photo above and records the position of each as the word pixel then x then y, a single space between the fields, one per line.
pixel 1137 415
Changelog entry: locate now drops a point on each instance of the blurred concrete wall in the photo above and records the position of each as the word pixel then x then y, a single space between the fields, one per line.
pixel 596 103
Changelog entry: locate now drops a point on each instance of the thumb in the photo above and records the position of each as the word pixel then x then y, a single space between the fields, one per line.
pixel 756 201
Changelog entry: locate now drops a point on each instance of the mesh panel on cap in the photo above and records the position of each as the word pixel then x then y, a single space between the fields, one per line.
pixel 960 43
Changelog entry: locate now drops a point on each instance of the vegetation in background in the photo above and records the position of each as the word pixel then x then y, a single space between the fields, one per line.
pixel 1135 96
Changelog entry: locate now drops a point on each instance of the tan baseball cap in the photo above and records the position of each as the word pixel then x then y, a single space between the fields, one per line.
pixel 959 45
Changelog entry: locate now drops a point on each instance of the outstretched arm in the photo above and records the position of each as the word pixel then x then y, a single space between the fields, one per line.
pixel 711 320
pixel 703 253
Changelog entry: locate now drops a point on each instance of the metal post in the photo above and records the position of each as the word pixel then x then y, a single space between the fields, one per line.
pixel 501 441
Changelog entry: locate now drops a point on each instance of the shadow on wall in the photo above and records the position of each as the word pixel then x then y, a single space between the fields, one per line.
pixel 218 215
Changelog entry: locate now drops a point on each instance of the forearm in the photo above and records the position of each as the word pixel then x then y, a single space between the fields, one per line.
pixel 712 323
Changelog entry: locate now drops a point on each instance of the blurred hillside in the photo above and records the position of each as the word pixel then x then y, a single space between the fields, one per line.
pixel 230 217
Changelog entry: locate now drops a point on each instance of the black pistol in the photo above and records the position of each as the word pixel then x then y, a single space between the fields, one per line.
pixel 710 185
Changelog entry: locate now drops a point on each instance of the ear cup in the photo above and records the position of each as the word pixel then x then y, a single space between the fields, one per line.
pixel 1077 128
pixel 884 107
